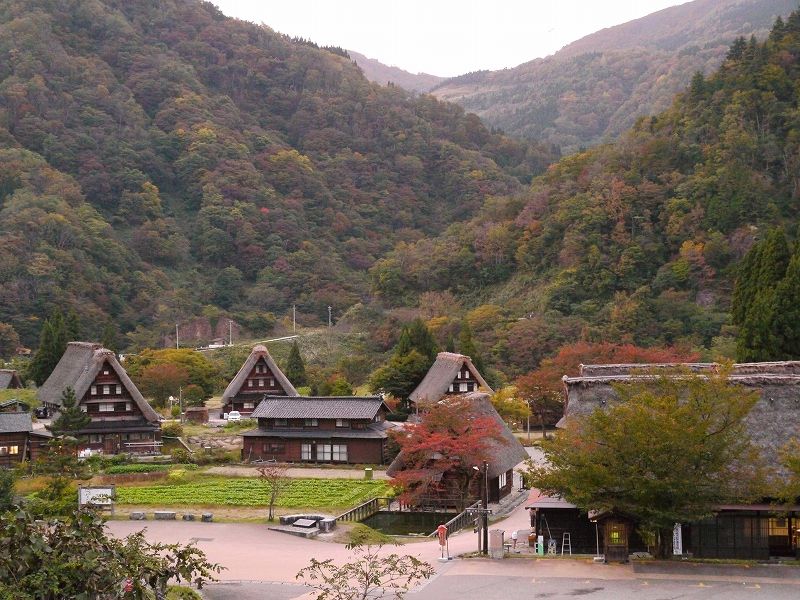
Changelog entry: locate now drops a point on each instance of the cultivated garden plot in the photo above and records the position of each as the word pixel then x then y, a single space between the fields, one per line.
pixel 300 493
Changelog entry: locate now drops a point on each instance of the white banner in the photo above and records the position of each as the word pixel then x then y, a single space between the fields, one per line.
pixel 677 540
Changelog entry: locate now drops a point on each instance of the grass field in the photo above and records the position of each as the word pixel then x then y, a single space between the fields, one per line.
pixel 213 491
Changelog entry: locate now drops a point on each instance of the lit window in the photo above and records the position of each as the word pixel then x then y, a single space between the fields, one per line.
pixel 310 422
pixel 105 371
pixel 13 449
pixel 339 452
pixel 343 422
pixel 305 451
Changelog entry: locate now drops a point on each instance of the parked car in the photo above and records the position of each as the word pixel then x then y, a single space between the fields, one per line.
pixel 234 415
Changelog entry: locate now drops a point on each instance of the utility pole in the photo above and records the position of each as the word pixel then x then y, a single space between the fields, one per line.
pixel 230 332
pixel 330 322
pixel 485 508
pixel 176 337
pixel 294 318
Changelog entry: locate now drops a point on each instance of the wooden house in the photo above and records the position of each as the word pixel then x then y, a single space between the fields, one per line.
pixel 450 374
pixel 18 440
pixel 504 454
pixel 259 376
pixel 10 380
pixel 122 420
pixel 734 531
pixel 14 405
pixel 341 429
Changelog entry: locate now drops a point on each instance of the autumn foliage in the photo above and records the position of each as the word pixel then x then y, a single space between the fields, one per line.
pixel 438 453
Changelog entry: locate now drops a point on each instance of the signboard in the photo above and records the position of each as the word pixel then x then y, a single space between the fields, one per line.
pixel 98 496
pixel 677 540
pixel 441 531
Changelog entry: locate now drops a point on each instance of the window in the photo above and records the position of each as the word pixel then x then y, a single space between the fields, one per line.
pixel 128 406
pixel 13 449
pixel 109 407
pixel 310 422
pixel 249 405
pixel 340 452
pixel 458 375
pixel 106 390
pixel 105 371
pixel 502 480
pixel 278 448
pixel 323 451
pixel 95 438
pixel 451 388
pixel 119 390
pixel 281 423
pixel 260 383
pixel 93 390
pixel 305 452
pixel 271 382
pixel 343 422
pixel 258 368
pixel 83 407
pixel 3 450
pixel 462 387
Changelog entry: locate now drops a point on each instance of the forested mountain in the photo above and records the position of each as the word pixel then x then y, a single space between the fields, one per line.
pixel 376 71
pixel 595 88
pixel 158 158
pixel 636 241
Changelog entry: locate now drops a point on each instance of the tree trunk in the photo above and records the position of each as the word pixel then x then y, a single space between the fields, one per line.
pixel 662 546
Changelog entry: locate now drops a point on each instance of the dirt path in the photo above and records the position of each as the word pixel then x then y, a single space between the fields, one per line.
pixel 299 472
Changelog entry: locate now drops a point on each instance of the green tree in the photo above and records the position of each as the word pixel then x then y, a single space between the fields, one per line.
pixel 71 418
pixel 511 407
pixel 6 489
pixel 400 375
pixel 466 346
pixel 75 558
pixel 416 336
pixel 52 344
pixel 786 312
pixel 670 450
pixel 72 326
pixel 295 367
pixel 9 340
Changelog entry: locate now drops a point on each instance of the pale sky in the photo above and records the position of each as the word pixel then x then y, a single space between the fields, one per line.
pixel 443 37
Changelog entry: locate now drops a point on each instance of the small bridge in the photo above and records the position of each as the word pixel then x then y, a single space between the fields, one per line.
pixel 365 509
pixel 461 520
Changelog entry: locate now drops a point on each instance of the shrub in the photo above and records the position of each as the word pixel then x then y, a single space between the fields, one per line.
pixel 182 455
pixel 399 417
pixel 172 429
pixel 180 592
pixel 177 477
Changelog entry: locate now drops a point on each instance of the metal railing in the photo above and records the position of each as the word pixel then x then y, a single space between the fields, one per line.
pixel 365 509
pixel 461 520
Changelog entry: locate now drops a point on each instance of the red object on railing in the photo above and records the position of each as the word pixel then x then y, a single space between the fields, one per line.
pixel 441 531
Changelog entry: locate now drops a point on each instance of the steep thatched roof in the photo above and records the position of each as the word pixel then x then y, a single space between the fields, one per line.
pixel 319 407
pixel 771 423
pixel 258 352
pixel 441 374
pixel 9 378
pixel 504 454
pixel 78 368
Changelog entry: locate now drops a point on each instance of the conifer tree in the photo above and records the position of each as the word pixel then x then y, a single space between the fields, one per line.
pixel 295 367
pixel 72 326
pixel 52 344
pixel 71 417
pixel 786 320
pixel 466 346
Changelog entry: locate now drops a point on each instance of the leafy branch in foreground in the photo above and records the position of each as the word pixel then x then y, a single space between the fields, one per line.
pixel 369 575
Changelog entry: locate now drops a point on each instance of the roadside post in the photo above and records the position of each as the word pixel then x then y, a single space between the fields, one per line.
pixel 444 543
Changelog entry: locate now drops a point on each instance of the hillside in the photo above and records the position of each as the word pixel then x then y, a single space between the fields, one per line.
pixel 636 241
pixel 376 71
pixel 595 88
pixel 160 161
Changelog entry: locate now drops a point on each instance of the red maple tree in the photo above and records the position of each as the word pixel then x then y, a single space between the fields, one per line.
pixel 438 453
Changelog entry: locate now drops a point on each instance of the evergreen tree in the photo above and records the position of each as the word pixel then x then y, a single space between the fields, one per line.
pixel 467 346
pixel 109 336
pixel 295 367
pixel 72 326
pixel 71 417
pixel 786 320
pixel 737 49
pixel 52 344
pixel 451 345
pixel 417 336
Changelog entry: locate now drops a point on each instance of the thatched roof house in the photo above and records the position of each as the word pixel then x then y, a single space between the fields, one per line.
pixel 9 379
pixel 18 440
pixel 259 375
pixel 504 454
pixel 121 418
pixel 451 373
pixel 772 423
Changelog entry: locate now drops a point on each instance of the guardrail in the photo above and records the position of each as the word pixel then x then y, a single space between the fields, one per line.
pixel 458 522
pixel 365 509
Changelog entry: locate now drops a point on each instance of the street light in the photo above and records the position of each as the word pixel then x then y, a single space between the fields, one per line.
pixel 485 502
